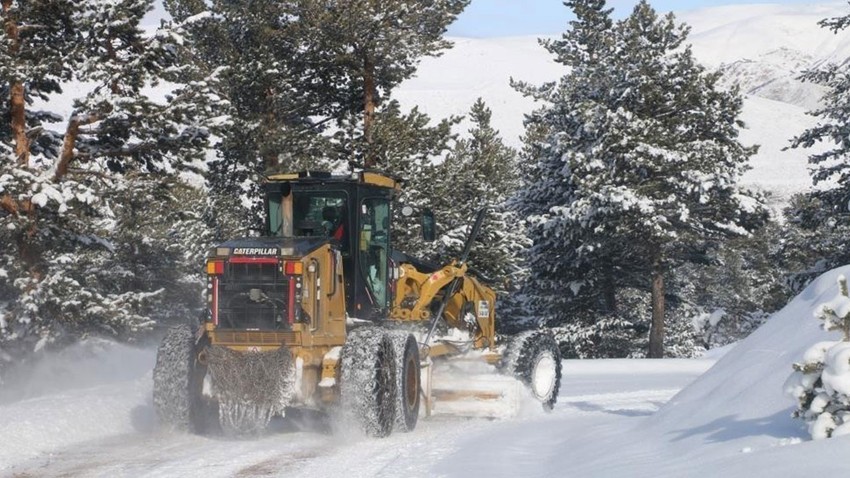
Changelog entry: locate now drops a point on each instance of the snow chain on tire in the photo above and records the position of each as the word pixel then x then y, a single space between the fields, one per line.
pixel 176 382
pixel 533 357
pixel 368 380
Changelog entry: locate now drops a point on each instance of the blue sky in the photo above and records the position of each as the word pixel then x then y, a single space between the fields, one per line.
pixel 495 18
pixel 488 18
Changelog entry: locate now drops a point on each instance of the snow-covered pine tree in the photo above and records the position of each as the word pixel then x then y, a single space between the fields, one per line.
pixel 39 39
pixel 68 272
pixel 555 286
pixel 638 171
pixel 740 286
pixel 816 239
pixel 39 46
pixel 372 46
pixel 481 171
pixel 292 69
pixel 276 82
pixel 119 123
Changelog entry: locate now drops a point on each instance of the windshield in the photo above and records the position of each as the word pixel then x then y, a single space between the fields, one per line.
pixel 319 213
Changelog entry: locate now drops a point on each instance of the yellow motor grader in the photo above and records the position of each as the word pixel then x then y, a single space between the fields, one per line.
pixel 321 313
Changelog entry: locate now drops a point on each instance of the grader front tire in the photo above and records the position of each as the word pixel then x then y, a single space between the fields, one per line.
pixel 534 359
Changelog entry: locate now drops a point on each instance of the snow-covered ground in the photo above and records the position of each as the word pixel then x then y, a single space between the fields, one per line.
pixel 93 417
pixel 109 429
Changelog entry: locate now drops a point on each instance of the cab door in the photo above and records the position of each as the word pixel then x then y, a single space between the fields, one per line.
pixel 373 251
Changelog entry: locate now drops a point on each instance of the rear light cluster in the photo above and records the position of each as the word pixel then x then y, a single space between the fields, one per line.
pixel 293 268
pixel 215 268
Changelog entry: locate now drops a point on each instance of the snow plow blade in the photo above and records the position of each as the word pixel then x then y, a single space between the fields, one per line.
pixel 450 392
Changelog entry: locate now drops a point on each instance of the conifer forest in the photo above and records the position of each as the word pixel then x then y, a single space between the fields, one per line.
pixel 620 223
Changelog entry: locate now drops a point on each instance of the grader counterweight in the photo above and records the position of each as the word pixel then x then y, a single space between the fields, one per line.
pixel 322 313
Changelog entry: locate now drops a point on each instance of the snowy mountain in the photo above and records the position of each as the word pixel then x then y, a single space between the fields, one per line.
pixel 774 76
pixel 762 48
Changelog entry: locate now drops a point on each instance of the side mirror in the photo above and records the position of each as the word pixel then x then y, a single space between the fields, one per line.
pixel 429 225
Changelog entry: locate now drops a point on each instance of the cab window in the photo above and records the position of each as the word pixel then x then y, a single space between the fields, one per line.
pixel 319 213
pixel 374 247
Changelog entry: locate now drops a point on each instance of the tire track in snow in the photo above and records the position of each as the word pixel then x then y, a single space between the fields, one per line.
pixel 636 403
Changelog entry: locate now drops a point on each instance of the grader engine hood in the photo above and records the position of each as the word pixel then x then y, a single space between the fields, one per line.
pixel 256 283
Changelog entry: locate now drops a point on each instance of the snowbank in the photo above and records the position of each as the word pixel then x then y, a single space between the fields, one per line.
pixel 736 419
pixel 741 398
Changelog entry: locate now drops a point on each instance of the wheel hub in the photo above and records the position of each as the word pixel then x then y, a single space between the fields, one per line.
pixel 543 376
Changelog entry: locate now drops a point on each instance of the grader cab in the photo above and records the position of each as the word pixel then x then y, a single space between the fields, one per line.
pixel 321 312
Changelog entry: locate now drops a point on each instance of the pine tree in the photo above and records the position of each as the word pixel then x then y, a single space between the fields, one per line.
pixel 480 172
pixel 297 71
pixel 559 286
pixel 638 171
pixel 117 121
pixel 274 79
pixel 831 165
pixel 815 239
pixel 371 46
pixel 75 265
pixel 39 40
pixel 742 284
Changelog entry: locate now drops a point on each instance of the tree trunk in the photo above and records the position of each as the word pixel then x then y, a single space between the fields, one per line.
pixel 656 331
pixel 369 100
pixel 609 292
pixel 18 113
pixel 270 161
pixel 68 144
pixel 17 103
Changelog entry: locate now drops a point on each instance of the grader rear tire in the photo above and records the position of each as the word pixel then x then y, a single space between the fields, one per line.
pixel 534 358
pixel 368 381
pixel 178 381
pixel 407 383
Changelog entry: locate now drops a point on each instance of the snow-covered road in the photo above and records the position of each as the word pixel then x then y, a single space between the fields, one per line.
pixel 110 430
